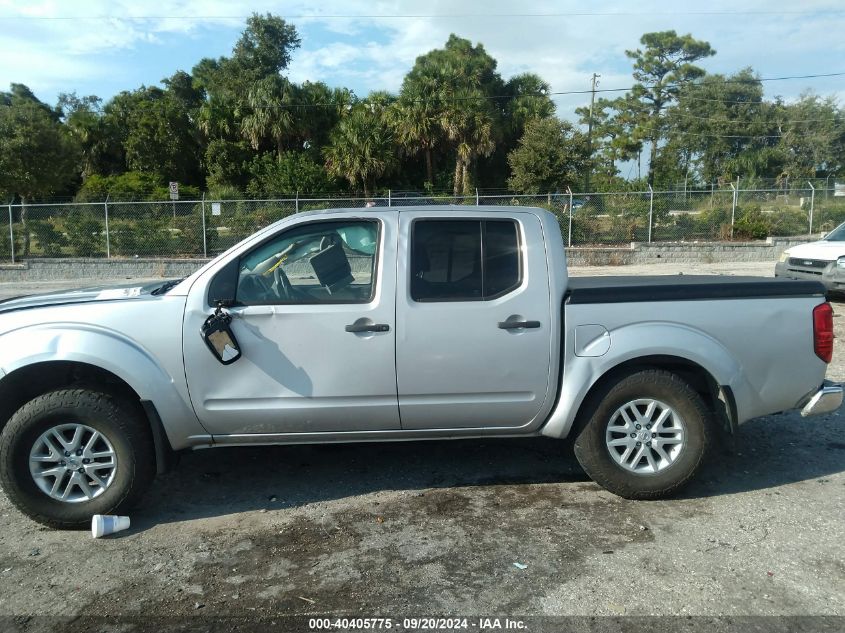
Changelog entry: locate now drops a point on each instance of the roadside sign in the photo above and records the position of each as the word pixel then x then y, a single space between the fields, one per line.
pixel 215 208
pixel 174 190
pixel 838 190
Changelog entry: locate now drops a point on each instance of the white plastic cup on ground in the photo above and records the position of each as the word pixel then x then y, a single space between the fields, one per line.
pixel 105 524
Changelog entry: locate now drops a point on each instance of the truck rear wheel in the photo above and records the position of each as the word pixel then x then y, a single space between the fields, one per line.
pixel 69 454
pixel 646 436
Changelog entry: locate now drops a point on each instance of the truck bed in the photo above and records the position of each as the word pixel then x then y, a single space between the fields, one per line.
pixel 630 289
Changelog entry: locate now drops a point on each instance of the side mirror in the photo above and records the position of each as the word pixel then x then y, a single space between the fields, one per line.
pixel 218 336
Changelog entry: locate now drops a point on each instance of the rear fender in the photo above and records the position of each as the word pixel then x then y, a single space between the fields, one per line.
pixel 640 340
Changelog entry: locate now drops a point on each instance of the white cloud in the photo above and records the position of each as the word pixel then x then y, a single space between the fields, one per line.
pixel 566 50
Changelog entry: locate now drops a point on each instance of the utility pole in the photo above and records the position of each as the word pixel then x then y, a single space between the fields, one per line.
pixel 590 135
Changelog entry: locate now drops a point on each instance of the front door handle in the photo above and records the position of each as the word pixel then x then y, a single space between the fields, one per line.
pixel 368 327
pixel 515 325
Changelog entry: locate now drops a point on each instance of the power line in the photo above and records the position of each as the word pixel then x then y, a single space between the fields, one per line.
pixel 415 16
pixel 669 129
pixel 558 93
pixel 727 81
pixel 733 101
pixel 734 121
pixel 733 136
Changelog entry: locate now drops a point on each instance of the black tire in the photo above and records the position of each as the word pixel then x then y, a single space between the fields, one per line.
pixel 119 421
pixel 593 453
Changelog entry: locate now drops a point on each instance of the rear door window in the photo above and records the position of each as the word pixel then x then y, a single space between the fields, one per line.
pixel 464 260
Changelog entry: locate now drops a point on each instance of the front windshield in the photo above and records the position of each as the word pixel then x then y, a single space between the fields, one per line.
pixel 836 235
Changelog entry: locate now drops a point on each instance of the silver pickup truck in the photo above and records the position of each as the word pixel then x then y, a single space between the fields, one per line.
pixel 361 325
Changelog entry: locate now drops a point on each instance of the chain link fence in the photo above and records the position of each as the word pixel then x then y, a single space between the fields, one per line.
pixel 204 228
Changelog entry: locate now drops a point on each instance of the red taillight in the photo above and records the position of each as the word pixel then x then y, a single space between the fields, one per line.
pixel 823 331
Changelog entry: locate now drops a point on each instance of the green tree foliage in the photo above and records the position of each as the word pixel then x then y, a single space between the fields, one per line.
pixel 49 238
pixel 813 141
pixel 237 124
pixel 226 163
pixel 316 110
pixel 456 84
pixel 525 97
pixel 416 117
pixel 38 157
pixel 269 122
pixel 98 140
pixel 613 138
pixel 265 47
pixel 160 137
pixel 661 67
pixel 550 156
pixel 130 185
pixel 84 233
pixel 286 175
pixel 361 148
pixel 720 126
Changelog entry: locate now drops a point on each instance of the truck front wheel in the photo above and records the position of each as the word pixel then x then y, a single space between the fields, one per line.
pixel 69 454
pixel 646 436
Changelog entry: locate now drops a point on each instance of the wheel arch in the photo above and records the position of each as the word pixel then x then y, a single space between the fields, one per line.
pixel 94 350
pixel 719 398
pixel 30 381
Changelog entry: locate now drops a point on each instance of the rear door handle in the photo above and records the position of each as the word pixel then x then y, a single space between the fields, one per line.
pixel 368 327
pixel 515 325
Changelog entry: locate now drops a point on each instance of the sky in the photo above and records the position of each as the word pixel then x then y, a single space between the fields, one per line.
pixel 101 47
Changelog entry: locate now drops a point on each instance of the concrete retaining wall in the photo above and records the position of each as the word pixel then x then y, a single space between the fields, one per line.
pixel 85 268
pixel 682 253
pixel 636 253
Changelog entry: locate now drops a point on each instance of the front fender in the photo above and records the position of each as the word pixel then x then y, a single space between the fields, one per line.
pixel 113 352
pixel 653 338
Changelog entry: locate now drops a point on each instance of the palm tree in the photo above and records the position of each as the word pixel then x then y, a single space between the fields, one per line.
pixel 361 147
pixel 268 116
pixel 215 118
pixel 469 123
pixel 416 121
pixel 528 100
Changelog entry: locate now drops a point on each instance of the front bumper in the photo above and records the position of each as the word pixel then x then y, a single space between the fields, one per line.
pixel 830 275
pixel 826 400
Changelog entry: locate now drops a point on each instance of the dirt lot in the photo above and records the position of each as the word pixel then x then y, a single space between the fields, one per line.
pixel 435 528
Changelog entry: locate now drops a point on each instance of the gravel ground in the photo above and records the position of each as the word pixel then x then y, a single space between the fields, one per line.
pixel 434 528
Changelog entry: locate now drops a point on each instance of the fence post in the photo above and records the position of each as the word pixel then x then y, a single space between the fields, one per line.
pixel 297 200
pixel 712 191
pixel 476 196
pixel 569 191
pixel 812 204
pixel 11 232
pixel 204 244
pixel 389 199
pixel 733 207
pixel 650 211
pixel 108 240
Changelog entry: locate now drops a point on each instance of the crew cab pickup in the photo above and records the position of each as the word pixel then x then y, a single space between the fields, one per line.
pixel 361 325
